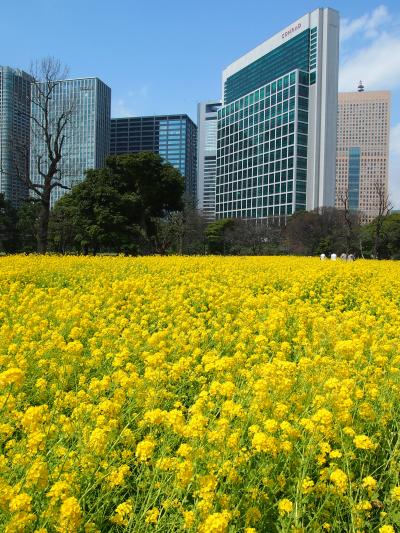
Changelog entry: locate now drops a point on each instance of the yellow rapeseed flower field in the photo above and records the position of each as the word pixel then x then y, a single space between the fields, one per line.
pixel 205 395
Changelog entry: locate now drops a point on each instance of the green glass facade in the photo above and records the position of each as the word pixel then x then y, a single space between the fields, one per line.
pixel 354 177
pixel 262 150
pixel 294 54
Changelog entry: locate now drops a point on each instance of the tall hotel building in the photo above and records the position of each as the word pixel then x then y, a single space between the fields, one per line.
pixel 362 150
pixel 173 137
pixel 277 127
pixel 15 88
pixel 207 157
pixel 87 134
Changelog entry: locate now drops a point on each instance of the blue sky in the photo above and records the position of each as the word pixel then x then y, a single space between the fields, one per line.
pixel 164 57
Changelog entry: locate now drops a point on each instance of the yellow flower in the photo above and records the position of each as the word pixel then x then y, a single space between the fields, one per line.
pixel 369 483
pixel 122 513
pixel 339 479
pixel 364 506
pixel 216 523
pixel 152 516
pixel 264 443
pixel 70 515
pixel 188 519
pixel 37 475
pixel 21 502
pixel 144 449
pixel 395 494
pixel 363 442
pixel 59 490
pixel 307 484
pixel 386 529
pixel 285 506
pixel 11 376
pixel 117 476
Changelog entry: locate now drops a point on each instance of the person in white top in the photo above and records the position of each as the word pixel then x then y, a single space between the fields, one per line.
pixel 333 257
pixel 322 257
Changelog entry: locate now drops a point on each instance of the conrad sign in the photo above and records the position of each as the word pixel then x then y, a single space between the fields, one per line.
pixel 290 31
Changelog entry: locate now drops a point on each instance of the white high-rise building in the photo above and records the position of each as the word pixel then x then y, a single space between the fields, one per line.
pixel 277 127
pixel 207 157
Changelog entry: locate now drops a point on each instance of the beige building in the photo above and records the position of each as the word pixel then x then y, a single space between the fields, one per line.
pixel 362 162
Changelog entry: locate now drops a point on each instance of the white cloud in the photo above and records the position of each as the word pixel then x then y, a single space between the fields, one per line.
pixel 120 108
pixel 368 24
pixel 131 102
pixel 377 65
pixel 394 182
pixel 140 92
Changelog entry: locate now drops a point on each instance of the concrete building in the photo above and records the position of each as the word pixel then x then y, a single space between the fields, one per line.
pixel 207 157
pixel 174 137
pixel 362 163
pixel 277 127
pixel 87 134
pixel 15 87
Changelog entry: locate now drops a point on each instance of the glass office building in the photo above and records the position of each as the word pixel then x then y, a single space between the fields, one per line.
pixel 207 157
pixel 15 87
pixel 87 134
pixel 277 127
pixel 174 137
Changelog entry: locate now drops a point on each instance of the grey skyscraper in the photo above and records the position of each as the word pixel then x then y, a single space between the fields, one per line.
pixel 15 87
pixel 174 137
pixel 362 167
pixel 207 157
pixel 87 134
pixel 277 128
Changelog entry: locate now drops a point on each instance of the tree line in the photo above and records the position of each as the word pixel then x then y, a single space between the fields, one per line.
pixel 136 205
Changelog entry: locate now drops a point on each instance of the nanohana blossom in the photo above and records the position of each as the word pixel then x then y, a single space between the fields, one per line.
pixel 199 394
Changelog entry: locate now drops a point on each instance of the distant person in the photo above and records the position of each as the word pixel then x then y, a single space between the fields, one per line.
pixel 350 257
pixel 333 257
pixel 322 257
pixel 343 257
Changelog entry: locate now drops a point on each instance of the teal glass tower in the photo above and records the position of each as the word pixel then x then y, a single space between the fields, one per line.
pixel 86 136
pixel 277 127
pixel 15 87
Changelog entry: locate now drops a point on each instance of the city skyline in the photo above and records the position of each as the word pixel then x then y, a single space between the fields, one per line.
pixel 187 66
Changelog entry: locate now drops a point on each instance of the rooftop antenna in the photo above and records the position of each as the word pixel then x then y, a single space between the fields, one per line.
pixel 360 87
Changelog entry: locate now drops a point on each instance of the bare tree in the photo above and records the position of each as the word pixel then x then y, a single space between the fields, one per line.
pixel 255 237
pixel 48 133
pixel 169 232
pixel 351 217
pixel 384 206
